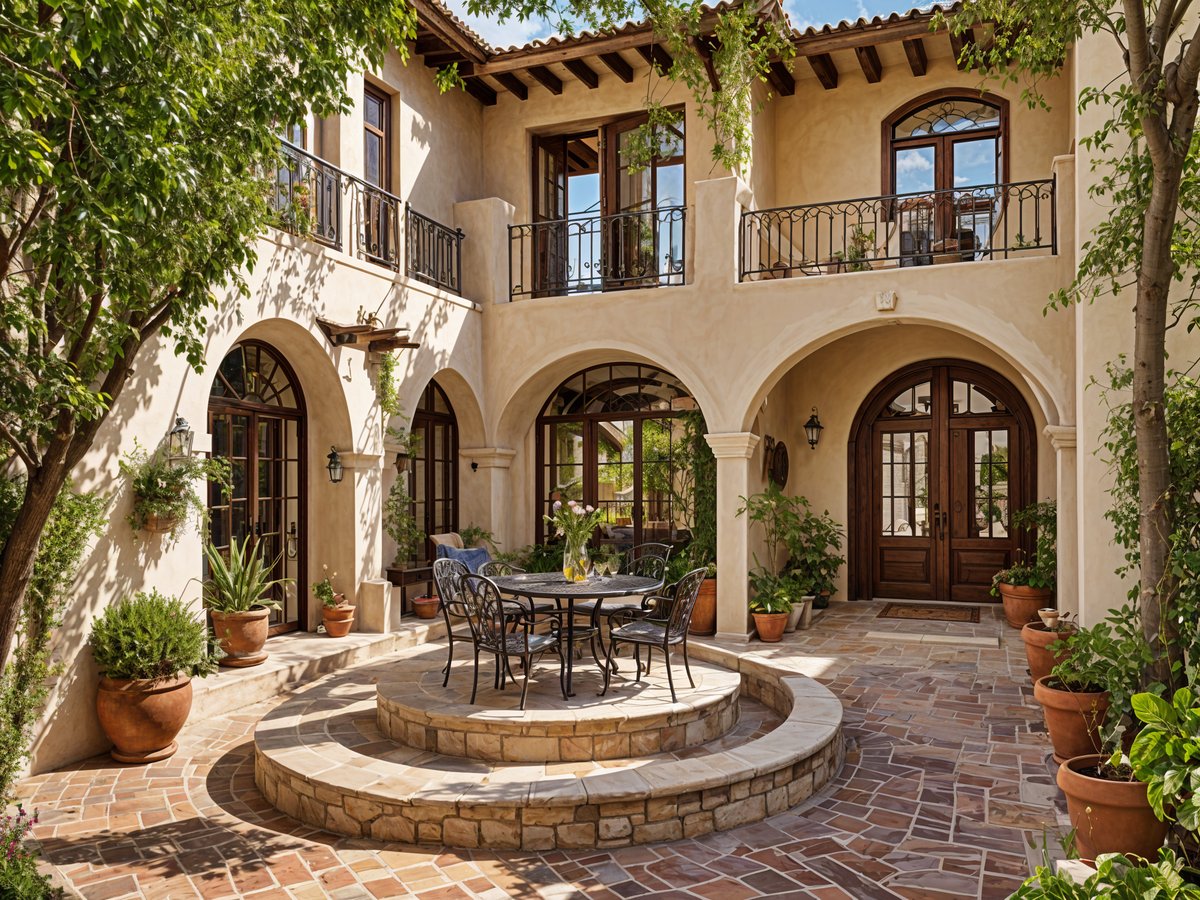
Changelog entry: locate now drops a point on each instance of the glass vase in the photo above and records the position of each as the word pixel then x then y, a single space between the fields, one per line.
pixel 576 562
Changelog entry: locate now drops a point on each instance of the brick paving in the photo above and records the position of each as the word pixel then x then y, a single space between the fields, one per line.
pixel 945 793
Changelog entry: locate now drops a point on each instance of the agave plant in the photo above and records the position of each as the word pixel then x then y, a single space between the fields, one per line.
pixel 239 584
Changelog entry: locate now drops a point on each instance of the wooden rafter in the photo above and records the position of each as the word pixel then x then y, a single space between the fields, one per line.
pixel 583 72
pixel 481 91
pixel 884 33
pixel 781 79
pixel 825 69
pixel 656 56
pixel 546 79
pixel 617 65
pixel 705 48
pixel 914 49
pixel 868 61
pixel 435 21
pixel 366 337
pixel 957 43
pixel 513 85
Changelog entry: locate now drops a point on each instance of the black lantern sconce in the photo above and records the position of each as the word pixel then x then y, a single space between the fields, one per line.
pixel 179 441
pixel 335 467
pixel 813 429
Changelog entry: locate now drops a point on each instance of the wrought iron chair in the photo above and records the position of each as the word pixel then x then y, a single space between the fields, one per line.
pixel 448 575
pixel 490 619
pixel 642 628
pixel 650 563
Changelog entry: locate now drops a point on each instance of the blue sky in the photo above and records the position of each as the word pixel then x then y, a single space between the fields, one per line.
pixel 803 13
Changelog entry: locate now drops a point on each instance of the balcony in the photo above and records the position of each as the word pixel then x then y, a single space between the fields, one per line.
pixel 312 195
pixel 999 221
pixel 584 255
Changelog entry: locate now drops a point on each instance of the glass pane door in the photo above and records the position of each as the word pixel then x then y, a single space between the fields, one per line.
pixel 657 482
pixel 615 472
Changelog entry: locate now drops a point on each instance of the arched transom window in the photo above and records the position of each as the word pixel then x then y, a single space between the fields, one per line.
pixel 945 143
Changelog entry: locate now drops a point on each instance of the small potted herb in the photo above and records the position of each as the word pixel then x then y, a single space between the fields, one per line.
pixel 336 613
pixel 148 649
pixel 770 604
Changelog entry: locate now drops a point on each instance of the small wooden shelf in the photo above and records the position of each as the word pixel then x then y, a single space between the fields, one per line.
pixel 367 338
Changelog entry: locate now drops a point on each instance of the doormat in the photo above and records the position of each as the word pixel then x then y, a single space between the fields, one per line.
pixel 930 613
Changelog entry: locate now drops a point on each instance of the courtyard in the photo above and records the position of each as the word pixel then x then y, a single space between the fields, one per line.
pixel 945 791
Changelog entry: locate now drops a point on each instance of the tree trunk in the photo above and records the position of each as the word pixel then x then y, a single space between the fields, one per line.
pixel 1150 428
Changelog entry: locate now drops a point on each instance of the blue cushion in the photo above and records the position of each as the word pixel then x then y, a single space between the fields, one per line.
pixel 472 557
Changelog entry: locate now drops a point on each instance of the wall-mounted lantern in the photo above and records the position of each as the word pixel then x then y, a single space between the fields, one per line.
pixel 813 429
pixel 179 441
pixel 336 470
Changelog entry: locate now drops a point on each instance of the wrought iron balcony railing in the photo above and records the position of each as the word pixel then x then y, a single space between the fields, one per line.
pixel 998 221
pixel 433 253
pixel 579 255
pixel 308 196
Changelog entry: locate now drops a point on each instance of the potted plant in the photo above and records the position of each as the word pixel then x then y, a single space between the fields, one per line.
pixel 813 543
pixel 407 443
pixel 336 614
pixel 235 596
pixel 694 493
pixel 164 489
pixel 477 536
pixel 426 607
pixel 148 649
pixel 770 604
pixel 1075 697
pixel 1025 587
pixel 861 243
pixel 400 524
pixel 1045 643
pixel 1116 877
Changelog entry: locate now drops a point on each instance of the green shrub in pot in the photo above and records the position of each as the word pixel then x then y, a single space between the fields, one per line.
pixel 151 636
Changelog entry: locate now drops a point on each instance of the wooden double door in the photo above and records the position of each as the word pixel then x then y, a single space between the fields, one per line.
pixel 942 454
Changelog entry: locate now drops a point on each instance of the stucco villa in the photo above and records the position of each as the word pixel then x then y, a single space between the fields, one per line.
pixel 881 265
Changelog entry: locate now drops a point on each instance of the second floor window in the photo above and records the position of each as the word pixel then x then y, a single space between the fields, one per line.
pixel 377 138
pixel 379 213
pixel 601 221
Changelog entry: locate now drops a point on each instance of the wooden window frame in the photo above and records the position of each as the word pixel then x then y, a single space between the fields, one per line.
pixel 943 144
pixel 383 134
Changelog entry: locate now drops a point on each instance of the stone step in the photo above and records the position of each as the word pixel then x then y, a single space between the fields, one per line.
pixel 319 758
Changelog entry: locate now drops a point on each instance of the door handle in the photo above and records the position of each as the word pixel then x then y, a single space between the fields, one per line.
pixel 937 520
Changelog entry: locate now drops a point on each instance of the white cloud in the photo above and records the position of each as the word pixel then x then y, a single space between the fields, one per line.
pixel 502 35
pixel 908 163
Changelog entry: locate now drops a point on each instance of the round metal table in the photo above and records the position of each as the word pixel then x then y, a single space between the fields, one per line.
pixel 553 586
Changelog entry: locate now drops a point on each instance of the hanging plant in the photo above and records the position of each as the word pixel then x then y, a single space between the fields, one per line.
pixel 400 524
pixel 386 389
pixel 164 490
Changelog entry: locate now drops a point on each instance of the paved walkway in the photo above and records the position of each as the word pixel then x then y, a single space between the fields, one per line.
pixel 945 794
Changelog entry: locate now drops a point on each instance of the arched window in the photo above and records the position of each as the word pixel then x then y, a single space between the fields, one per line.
pixel 434 470
pixel 608 436
pixel 945 141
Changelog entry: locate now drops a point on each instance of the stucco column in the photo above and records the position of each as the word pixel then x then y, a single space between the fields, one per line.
pixel 733 451
pixel 485 256
pixel 1062 439
pixel 363 473
pixel 485 489
pixel 719 204
pixel 1063 169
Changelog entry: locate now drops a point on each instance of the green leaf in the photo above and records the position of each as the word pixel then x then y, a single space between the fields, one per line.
pixel 1153 710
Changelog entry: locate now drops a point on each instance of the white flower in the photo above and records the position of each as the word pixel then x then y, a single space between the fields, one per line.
pixel 557 505
pixel 571 503
pixel 589 509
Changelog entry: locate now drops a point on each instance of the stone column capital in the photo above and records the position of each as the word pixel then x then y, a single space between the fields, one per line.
pixel 354 460
pixel 1062 437
pixel 489 457
pixel 733 444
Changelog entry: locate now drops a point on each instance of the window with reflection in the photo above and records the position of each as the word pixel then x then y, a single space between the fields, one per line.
pixel 609 436
pixel 433 472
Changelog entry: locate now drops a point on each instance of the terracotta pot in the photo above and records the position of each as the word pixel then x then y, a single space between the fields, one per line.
pixel 142 717
pixel 1109 816
pixel 242 636
pixel 1021 603
pixel 1073 718
pixel 338 619
pixel 425 607
pixel 770 626
pixel 704 613
pixel 1038 638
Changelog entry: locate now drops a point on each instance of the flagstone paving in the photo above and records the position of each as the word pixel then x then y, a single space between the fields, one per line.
pixel 945 793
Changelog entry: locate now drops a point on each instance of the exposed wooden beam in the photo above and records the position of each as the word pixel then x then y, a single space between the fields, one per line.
pixel 957 42
pixel 617 65
pixel 781 79
pixel 434 20
pixel 481 91
pixel 445 57
pixel 868 61
pixel 429 44
pixel 583 72
pixel 825 69
pixel 655 55
pixel 513 85
pixel 914 49
pixel 546 79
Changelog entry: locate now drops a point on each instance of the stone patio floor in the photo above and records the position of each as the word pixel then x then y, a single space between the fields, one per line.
pixel 945 793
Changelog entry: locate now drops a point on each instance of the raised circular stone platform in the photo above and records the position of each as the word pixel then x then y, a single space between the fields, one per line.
pixel 321 758
pixel 632 720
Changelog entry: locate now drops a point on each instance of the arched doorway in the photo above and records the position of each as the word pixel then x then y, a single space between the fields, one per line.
pixel 434 470
pixel 941 454
pixel 608 436
pixel 256 418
